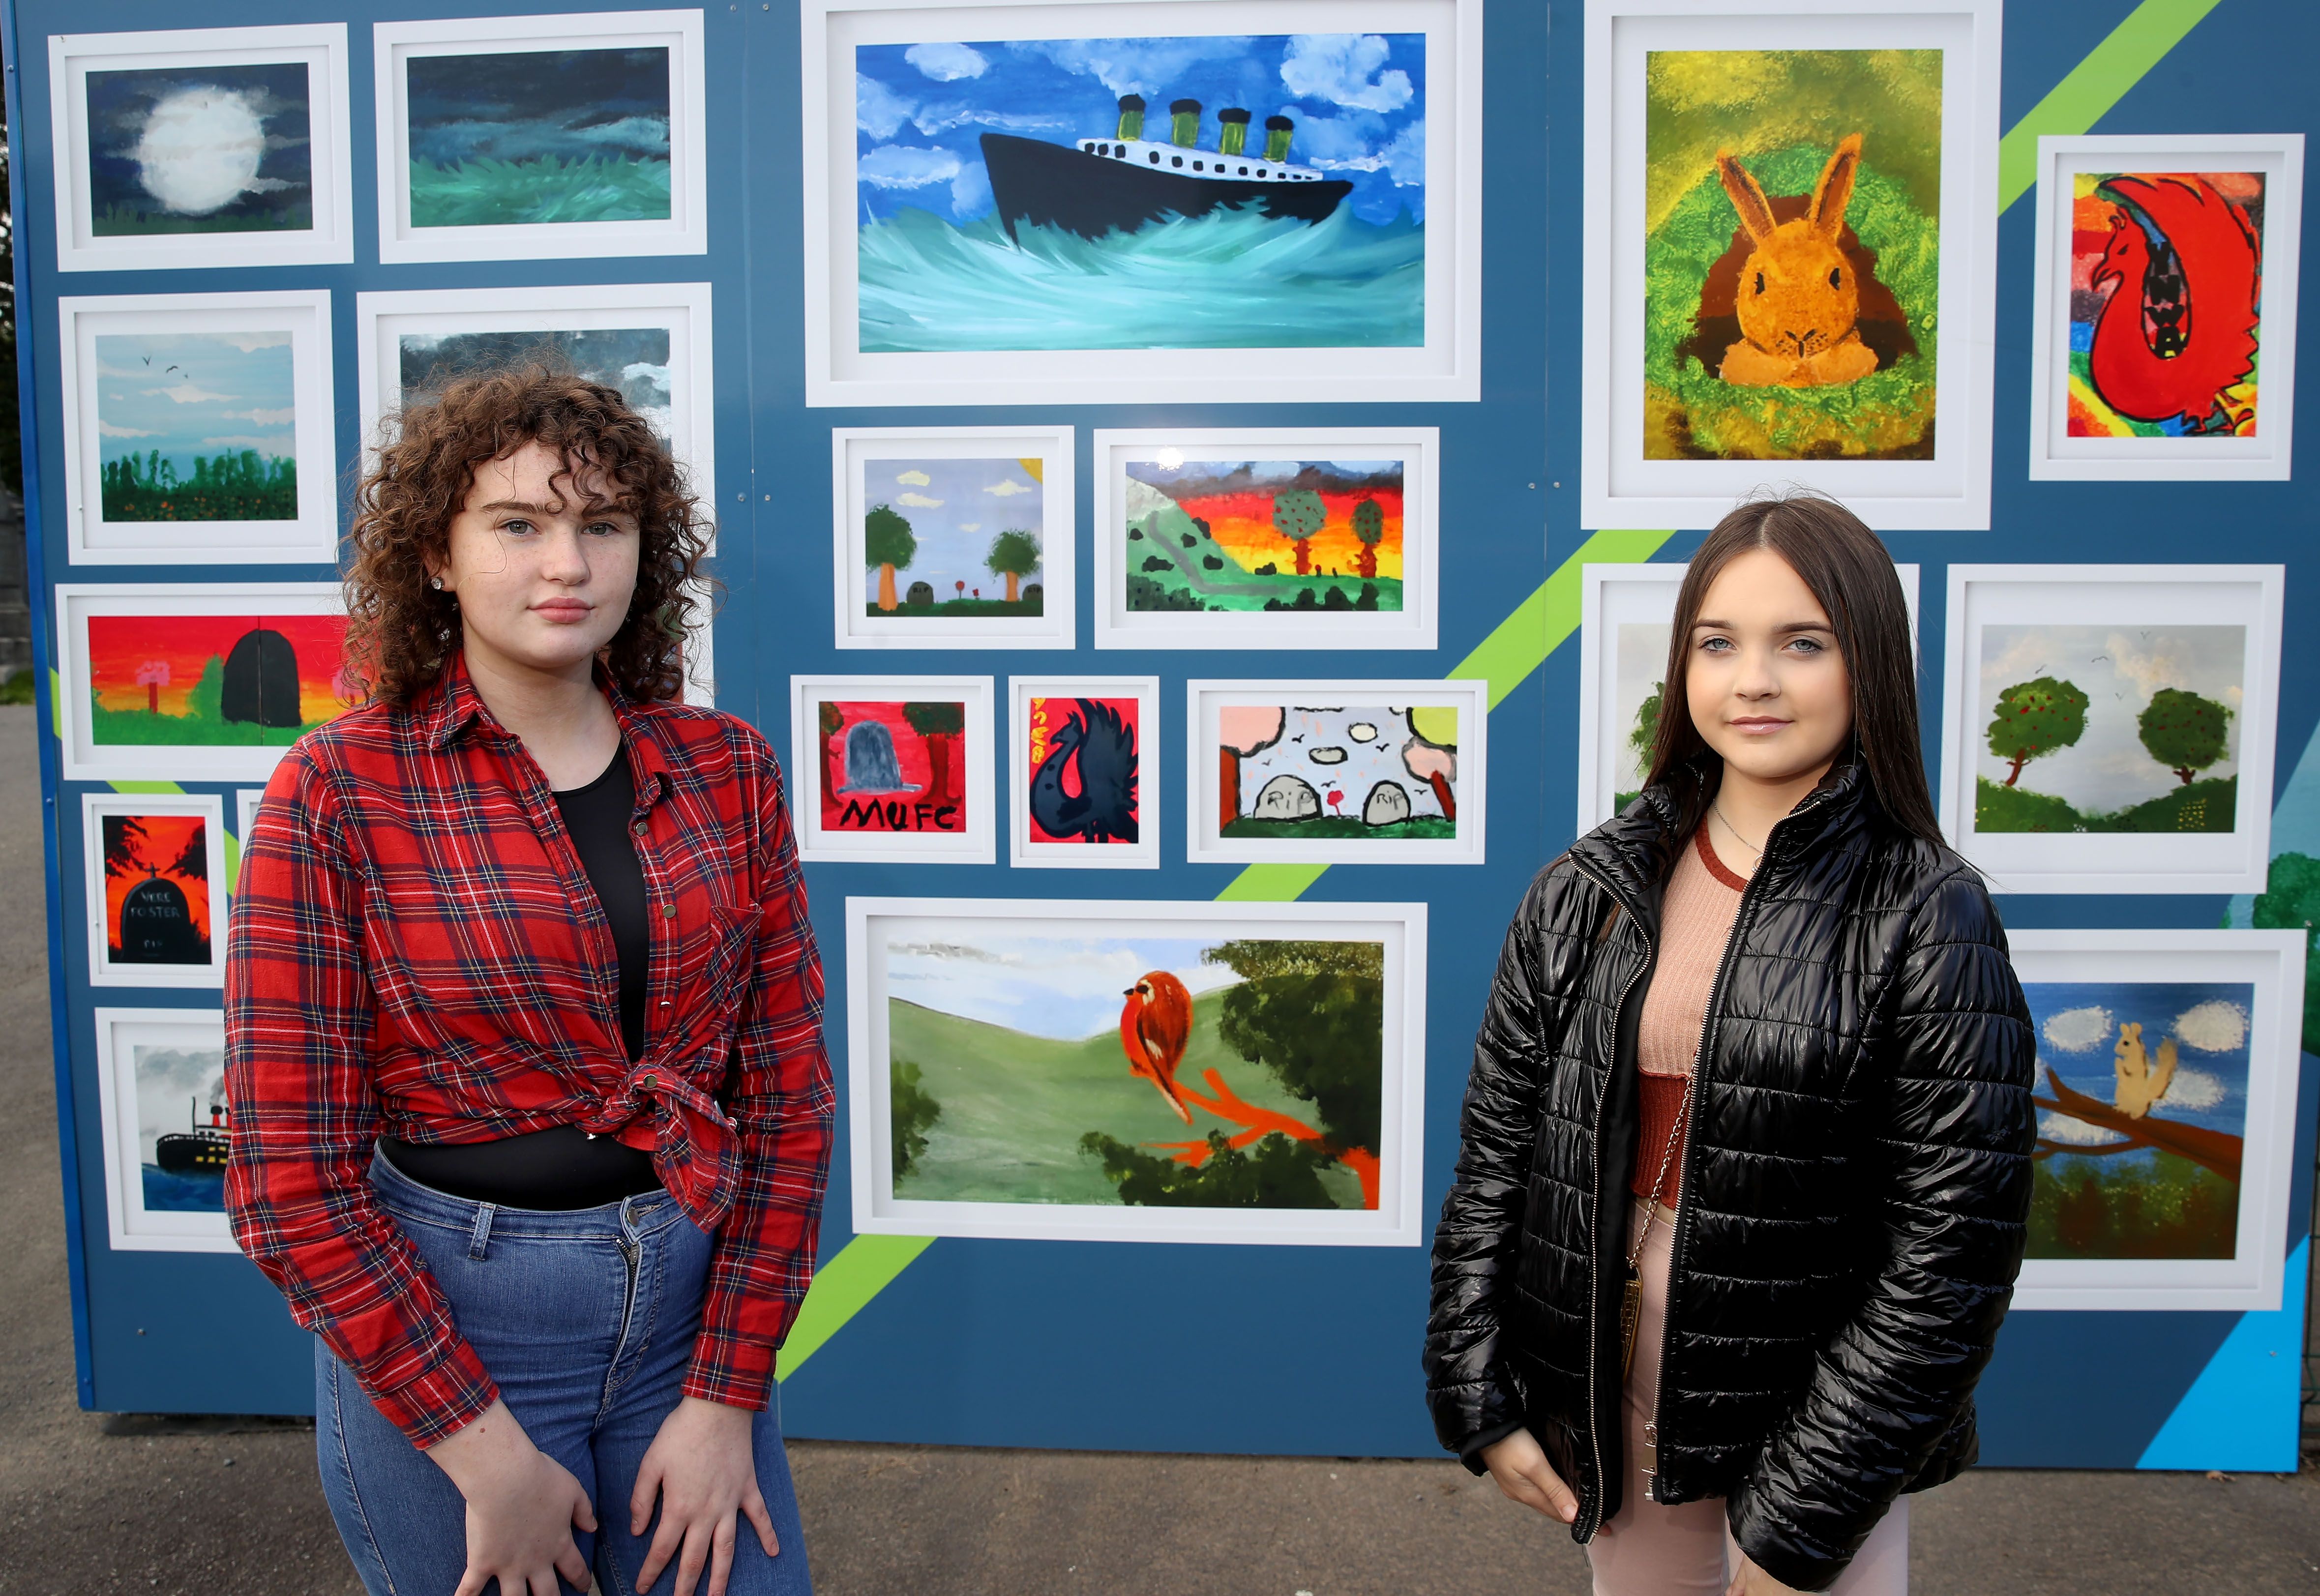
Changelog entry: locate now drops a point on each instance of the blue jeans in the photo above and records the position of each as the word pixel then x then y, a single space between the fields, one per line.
pixel 587 1320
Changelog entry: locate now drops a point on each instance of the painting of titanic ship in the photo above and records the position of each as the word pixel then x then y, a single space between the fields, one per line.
pixel 1126 182
pixel 199 1149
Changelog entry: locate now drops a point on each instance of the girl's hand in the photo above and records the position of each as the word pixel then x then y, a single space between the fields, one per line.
pixel 1525 1475
pixel 702 1465
pixel 1752 1580
pixel 521 1506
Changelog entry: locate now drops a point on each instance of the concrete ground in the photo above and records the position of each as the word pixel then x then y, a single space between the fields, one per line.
pixel 89 1504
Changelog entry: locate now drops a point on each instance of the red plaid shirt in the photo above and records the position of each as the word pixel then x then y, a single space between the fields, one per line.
pixel 415 952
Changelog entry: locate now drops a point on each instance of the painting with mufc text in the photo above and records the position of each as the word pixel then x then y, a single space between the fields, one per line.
pixel 2166 303
pixel 1200 192
pixel 215 681
pixel 893 766
pixel 1792 254
pixel 1113 1067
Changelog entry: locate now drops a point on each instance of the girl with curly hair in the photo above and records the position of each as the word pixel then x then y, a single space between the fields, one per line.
pixel 523 1032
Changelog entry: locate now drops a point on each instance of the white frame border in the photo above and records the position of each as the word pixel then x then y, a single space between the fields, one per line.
pixel 206 807
pixel 2273 960
pixel 1203 846
pixel 1415 626
pixel 853 448
pixel 82 761
pixel 311 539
pixel 1956 497
pixel 680 33
pixel 323 46
pixel 1397 1220
pixel 2257 731
pixel 2265 458
pixel 976 845
pixel 1143 854
pixel 1599 673
pixel 130 1228
pixel 1446 368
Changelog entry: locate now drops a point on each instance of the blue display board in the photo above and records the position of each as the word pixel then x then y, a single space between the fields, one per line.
pixel 818 284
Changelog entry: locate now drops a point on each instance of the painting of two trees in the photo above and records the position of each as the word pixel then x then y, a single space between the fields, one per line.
pixel 947 538
pixel 1261 535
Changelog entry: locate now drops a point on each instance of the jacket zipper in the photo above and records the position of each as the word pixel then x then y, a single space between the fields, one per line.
pixel 1691 1122
pixel 1594 1287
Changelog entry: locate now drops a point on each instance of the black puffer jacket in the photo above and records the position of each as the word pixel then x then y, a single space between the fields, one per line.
pixel 1854 1189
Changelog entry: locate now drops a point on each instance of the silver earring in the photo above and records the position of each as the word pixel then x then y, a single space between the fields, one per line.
pixel 436 583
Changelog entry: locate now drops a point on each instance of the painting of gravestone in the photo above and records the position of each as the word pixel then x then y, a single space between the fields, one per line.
pixel 157 889
pixel 213 680
pixel 893 766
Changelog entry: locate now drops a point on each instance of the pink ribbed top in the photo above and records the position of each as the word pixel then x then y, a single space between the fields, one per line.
pixel 1696 916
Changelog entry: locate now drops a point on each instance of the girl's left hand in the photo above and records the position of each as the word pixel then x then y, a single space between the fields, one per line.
pixel 703 1466
pixel 1752 1580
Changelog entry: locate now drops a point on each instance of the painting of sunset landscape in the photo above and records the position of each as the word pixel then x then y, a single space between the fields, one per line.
pixel 217 681
pixel 1256 535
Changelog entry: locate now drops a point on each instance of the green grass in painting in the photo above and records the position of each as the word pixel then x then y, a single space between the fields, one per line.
pixel 1013 1107
pixel 2210 806
pixel 236 486
pixel 957 607
pixel 119 221
pixel 503 193
pixel 1423 828
pixel 1177 582
pixel 2131 1206
pixel 1691 413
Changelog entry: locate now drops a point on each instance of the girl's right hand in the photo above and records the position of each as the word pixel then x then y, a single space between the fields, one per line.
pixel 1524 1474
pixel 521 1507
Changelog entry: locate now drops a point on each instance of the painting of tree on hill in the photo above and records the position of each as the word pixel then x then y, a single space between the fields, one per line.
pixel 943 538
pixel 213 680
pixel 1253 536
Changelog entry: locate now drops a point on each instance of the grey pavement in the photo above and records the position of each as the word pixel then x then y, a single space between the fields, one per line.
pixel 231 1509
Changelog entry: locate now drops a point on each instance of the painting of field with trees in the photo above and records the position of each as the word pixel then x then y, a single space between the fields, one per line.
pixel 2143 1099
pixel 1262 535
pixel 216 681
pixel 197 426
pixel 1115 1069
pixel 946 537
pixel 2096 729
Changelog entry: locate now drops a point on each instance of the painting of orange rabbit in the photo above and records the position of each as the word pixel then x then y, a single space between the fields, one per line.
pixel 1104 1066
pixel 1792 253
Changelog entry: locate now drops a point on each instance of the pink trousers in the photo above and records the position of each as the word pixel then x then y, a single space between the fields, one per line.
pixel 1650 1550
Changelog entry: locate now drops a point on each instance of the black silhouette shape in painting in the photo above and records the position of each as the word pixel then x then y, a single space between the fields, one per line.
pixel 1093 751
pixel 261 680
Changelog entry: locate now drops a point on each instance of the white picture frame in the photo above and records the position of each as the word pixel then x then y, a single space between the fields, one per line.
pixel 1417 450
pixel 132 1224
pixel 1619 487
pixel 1445 367
pixel 1612 597
pixel 874 923
pixel 86 759
pixel 2271 963
pixel 2265 457
pixel 246 324
pixel 686 230
pixel 104 969
pixel 682 310
pixel 328 239
pixel 1026 852
pixel 858 454
pixel 916 833
pixel 2126 598
pixel 1378 746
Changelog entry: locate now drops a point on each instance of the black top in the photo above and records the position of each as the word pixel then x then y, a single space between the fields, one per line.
pixel 564 1167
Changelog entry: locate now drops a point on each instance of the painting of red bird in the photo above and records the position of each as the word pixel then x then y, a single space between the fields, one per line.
pixel 1155 1026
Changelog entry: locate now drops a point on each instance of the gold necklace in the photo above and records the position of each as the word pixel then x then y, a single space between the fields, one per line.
pixel 1715 811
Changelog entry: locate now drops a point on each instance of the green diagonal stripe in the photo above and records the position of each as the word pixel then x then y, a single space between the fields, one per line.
pixel 842 1287
pixel 2094 86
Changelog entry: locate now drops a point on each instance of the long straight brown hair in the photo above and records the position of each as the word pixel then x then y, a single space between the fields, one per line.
pixel 1851 573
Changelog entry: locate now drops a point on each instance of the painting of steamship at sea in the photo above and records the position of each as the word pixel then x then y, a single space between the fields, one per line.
pixel 157 889
pixel 534 137
pixel 1074 1069
pixel 198 427
pixel 201 148
pixel 2165 1087
pixel 1084 785
pixel 2170 312
pixel 1336 772
pixel 1252 538
pixel 2113 721
pixel 893 767
pixel 162 1099
pixel 197 681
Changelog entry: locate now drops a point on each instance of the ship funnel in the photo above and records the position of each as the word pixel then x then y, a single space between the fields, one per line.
pixel 1183 123
pixel 1232 131
pixel 1277 130
pixel 1132 117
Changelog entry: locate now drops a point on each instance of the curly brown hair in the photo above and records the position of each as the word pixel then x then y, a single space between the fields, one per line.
pixel 401 632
